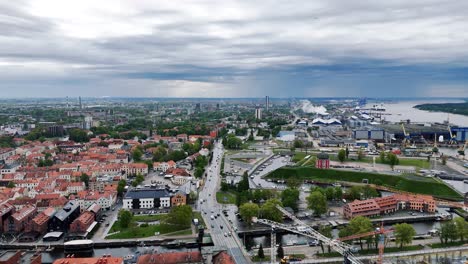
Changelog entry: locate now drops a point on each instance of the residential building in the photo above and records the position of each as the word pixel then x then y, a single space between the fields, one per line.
pixel 6 210
pixel 63 218
pixel 258 113
pixel 164 166
pixel 135 168
pixel 179 199
pixel 97 260
pixel 223 258
pixel 39 223
pixel 146 199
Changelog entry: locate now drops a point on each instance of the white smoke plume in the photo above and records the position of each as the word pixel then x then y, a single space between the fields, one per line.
pixel 308 107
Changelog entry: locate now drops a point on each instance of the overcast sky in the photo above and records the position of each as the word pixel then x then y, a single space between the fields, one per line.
pixel 247 48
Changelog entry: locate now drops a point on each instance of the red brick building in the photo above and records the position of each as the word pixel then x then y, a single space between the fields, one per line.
pixel 178 199
pixel 101 260
pixel 389 204
pixel 171 258
pixel 323 161
pixel 6 210
pixel 18 221
pixel 82 223
pixel 39 223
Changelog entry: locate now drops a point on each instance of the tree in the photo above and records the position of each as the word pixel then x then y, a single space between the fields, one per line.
pixel 270 212
pixel 342 155
pixel 137 154
pixel 280 252
pixel 125 218
pixel 338 193
pixel 180 215
pixel 78 135
pixel 85 178
pixel 298 144
pixel 462 228
pixel 198 172
pixel 247 211
pixel 382 157
pixel 404 234
pixel 448 231
pixel 11 185
pixel 369 192
pixel 293 183
pixel 330 193
pixel 355 193
pixel 261 254
pixel 290 198
pixel 392 160
pixel 359 225
pixel 121 187
pixel 317 202
pixel 243 185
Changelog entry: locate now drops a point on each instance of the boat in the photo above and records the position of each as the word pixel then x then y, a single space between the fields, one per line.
pixel 82 246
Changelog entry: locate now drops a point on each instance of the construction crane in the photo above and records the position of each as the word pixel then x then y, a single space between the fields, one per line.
pixel 453 138
pixel 303 229
pixel 380 231
pixel 406 140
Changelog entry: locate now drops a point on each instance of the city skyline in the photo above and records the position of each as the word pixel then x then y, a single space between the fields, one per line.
pixel 234 49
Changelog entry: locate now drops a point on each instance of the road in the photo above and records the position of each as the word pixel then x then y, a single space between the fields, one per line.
pixel 222 233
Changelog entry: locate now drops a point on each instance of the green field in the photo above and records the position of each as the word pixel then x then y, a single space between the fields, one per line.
pixel 412 183
pixel 226 197
pixel 135 231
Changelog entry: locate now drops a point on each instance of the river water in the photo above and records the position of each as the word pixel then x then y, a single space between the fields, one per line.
pixel 402 110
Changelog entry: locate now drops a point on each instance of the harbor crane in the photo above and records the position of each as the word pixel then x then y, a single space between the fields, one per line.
pixel 453 138
pixel 407 139
pixel 380 232
pixel 303 229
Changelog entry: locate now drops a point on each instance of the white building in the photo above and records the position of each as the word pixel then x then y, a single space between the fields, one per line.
pixel 258 113
pixel 147 198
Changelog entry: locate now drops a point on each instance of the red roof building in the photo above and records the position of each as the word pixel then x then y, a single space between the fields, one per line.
pixel 171 258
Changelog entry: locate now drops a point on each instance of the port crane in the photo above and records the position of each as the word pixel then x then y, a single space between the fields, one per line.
pixel 453 138
pixel 380 232
pixel 303 229
pixel 406 140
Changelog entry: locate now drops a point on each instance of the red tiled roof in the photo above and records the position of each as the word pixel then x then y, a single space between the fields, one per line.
pixel 171 258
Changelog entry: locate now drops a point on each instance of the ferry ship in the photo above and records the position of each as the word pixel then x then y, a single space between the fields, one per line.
pixel 79 247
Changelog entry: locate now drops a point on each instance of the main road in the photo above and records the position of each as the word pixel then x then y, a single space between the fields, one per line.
pixel 222 233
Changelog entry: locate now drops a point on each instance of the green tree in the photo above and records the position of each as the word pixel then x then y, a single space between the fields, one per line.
pixel 338 193
pixel 261 254
pixel 78 135
pixel 247 211
pixel 243 185
pixel 293 183
pixel 121 187
pixel 448 231
pixel 180 215
pixel 330 193
pixel 290 198
pixel 392 160
pixel 317 202
pixel 270 212
pixel 355 193
pixel 85 178
pixel 404 234
pixel 342 155
pixel 382 157
pixel 298 144
pixel 11 185
pixel 369 192
pixel 199 172
pixel 462 228
pixel 125 218
pixel 359 225
pixel 137 154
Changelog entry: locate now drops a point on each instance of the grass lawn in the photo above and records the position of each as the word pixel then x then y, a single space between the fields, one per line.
pixel 450 244
pixel 135 231
pixel 412 183
pixel 298 156
pixel 226 197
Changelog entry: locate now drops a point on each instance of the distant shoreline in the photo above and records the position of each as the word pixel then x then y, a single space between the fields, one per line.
pixel 452 108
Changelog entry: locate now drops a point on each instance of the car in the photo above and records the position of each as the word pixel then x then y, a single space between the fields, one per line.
pixel 218 214
pixel 107 224
pixel 229 234
pixel 225 234
pixel 212 226
pixel 221 226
